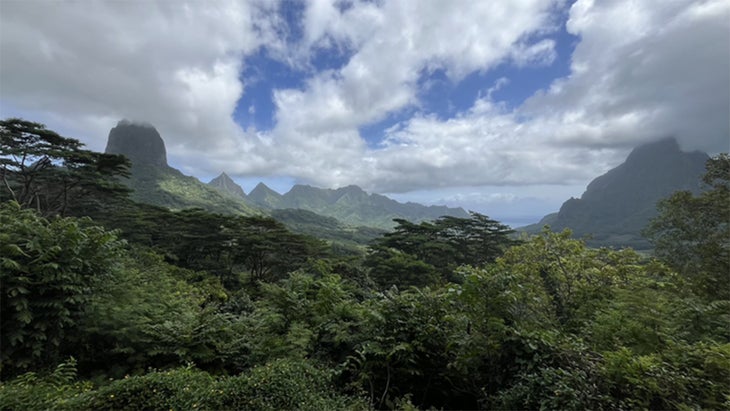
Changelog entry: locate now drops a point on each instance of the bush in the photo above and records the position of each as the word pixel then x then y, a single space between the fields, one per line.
pixel 279 385
pixel 48 269
pixel 283 385
pixel 33 392
pixel 178 389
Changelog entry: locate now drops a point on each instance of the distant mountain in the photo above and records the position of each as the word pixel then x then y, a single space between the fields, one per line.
pixel 617 205
pixel 226 185
pixel 155 182
pixel 350 205
pixel 265 197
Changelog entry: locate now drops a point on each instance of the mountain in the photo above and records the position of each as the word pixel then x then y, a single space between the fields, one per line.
pixel 139 142
pixel 350 205
pixel 226 185
pixel 617 205
pixel 265 197
pixel 153 181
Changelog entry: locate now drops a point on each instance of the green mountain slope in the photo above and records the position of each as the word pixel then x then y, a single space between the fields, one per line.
pixel 265 197
pixel 154 182
pixel 350 205
pixel 169 188
pixel 327 228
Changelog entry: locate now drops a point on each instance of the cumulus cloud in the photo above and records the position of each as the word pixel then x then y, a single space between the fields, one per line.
pixel 173 64
pixel 393 43
pixel 642 70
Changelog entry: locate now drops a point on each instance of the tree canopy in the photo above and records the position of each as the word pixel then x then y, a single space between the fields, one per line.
pixel 51 173
pixel 692 233
pixel 425 253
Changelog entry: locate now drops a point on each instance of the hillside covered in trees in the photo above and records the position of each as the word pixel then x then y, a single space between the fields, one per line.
pixel 112 304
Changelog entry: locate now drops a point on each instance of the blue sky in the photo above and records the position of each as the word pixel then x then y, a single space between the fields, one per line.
pixel 507 108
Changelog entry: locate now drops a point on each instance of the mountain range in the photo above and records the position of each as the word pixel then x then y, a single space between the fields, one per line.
pixel 611 212
pixel 153 181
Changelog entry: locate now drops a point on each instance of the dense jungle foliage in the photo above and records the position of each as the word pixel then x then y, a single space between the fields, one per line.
pixel 111 304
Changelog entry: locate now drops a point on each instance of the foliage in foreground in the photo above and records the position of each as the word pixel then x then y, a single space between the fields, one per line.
pixel 278 385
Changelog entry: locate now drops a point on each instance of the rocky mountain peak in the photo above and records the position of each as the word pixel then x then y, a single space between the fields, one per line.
pixel 226 184
pixel 140 142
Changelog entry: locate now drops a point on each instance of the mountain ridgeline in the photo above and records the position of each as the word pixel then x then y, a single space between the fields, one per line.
pixel 617 206
pixel 351 205
pixel 155 182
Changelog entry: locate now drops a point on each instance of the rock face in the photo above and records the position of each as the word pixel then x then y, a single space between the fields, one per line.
pixel 617 205
pixel 139 142
pixel 225 184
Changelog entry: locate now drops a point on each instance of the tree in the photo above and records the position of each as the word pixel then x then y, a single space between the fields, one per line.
pixel 692 233
pixel 267 249
pixel 436 249
pixel 50 173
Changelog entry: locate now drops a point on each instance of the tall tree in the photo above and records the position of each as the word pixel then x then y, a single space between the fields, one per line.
pixel 51 173
pixel 436 247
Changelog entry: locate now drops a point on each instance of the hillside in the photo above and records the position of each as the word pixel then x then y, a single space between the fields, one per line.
pixel 617 205
pixel 346 215
pixel 351 240
pixel 350 205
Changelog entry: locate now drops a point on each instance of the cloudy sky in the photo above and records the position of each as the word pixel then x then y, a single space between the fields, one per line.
pixel 505 107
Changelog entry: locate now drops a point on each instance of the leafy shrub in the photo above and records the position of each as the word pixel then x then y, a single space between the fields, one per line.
pixel 33 392
pixel 48 269
pixel 283 384
pixel 178 389
pixel 681 377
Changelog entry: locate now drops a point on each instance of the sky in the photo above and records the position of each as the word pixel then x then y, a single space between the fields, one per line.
pixel 508 108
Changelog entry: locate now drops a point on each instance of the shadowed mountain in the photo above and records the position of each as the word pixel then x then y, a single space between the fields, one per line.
pixel 139 142
pixel 350 205
pixel 617 205
pixel 154 182
pixel 351 240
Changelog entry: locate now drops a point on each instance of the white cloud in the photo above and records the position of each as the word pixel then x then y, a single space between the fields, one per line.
pixel 393 45
pixel 174 64
pixel 643 70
